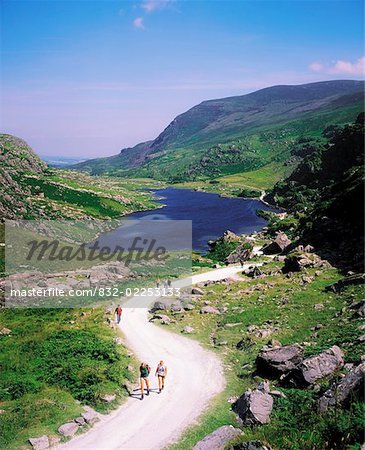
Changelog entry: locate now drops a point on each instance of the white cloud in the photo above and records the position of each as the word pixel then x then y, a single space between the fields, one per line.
pixel 138 23
pixel 316 67
pixel 153 5
pixel 341 67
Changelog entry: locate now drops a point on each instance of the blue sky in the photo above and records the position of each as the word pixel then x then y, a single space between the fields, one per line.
pixel 87 78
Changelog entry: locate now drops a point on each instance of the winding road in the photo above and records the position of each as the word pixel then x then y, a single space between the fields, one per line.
pixel 195 376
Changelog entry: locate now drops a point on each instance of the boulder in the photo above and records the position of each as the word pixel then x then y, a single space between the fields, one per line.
pixel 209 310
pixel 107 398
pixel 90 416
pixel 187 329
pixel 188 306
pixel 245 343
pixel 68 429
pixel 40 443
pixel 197 291
pixel 347 281
pixel 352 385
pixel 176 308
pixel 242 253
pixel 255 272
pixel 280 243
pixel 317 367
pixel 296 262
pixel 80 421
pixel 158 306
pixel 279 360
pixel 254 407
pixel 5 332
pixel 219 439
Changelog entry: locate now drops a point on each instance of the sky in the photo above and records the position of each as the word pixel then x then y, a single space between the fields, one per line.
pixel 88 78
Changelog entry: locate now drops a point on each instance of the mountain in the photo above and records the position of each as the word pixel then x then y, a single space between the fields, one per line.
pixel 236 134
pixel 32 190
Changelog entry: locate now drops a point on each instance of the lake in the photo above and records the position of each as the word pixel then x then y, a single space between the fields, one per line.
pixel 211 214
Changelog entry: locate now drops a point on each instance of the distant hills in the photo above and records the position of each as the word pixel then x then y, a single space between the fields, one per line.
pixel 237 134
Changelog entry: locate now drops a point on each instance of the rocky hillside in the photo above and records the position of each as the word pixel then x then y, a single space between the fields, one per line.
pixel 236 134
pixel 290 330
pixel 326 192
pixel 17 159
pixel 31 190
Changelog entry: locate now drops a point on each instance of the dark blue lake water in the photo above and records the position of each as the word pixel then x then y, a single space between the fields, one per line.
pixel 210 214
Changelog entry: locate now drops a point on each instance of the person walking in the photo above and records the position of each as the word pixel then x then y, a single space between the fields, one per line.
pixel 161 373
pixel 144 371
pixel 118 312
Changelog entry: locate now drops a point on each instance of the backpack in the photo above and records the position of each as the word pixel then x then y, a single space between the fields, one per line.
pixel 145 371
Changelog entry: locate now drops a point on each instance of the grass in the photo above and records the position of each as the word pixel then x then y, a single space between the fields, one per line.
pixel 52 362
pixel 289 304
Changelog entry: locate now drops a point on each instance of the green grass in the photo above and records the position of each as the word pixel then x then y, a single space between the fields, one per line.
pixel 253 302
pixel 53 360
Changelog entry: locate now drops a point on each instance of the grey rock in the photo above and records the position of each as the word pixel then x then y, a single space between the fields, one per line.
pixel 209 310
pixel 107 398
pixel 240 254
pixel 279 360
pixel 80 421
pixel 40 443
pixel 352 385
pixel 219 439
pixel 350 280
pixel 188 329
pixel 197 291
pixel 254 407
pixel 280 243
pixel 90 416
pixel 5 332
pixel 317 367
pixel 68 429
pixel 176 308
pixel 189 307
pixel 319 306
pixel 158 306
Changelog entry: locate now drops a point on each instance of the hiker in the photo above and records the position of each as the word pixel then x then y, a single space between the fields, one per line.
pixel 118 312
pixel 161 372
pixel 158 282
pixel 169 283
pixel 144 370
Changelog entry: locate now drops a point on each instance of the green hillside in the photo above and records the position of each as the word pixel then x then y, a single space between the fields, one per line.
pixel 237 134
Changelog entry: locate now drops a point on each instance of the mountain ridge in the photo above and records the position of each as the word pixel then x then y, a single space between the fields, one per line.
pixel 218 121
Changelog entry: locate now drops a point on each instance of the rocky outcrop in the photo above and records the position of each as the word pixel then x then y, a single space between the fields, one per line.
pixel 278 361
pixel 347 281
pixel 352 385
pixel 242 253
pixel 297 261
pixel 254 407
pixel 219 439
pixel 278 245
pixel 316 367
